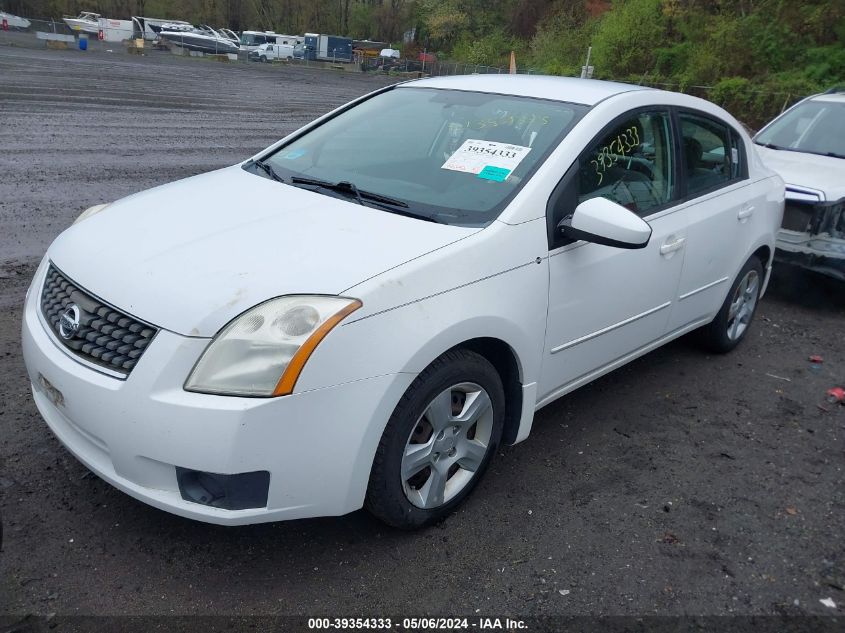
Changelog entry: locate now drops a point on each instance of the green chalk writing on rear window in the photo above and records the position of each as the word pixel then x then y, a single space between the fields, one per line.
pixel 496 174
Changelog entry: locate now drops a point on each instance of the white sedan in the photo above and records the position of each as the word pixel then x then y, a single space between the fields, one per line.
pixel 806 146
pixel 360 314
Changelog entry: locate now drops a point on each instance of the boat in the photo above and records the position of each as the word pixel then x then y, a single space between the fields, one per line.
pixel 149 28
pixel 85 22
pixel 200 38
pixel 229 34
pixel 13 21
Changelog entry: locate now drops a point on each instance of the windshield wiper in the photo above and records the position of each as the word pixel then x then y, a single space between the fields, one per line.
pixel 801 151
pixel 375 199
pixel 267 168
pixel 772 146
pixel 344 186
pixel 391 205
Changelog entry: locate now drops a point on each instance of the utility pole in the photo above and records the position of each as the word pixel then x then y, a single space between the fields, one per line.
pixel 586 69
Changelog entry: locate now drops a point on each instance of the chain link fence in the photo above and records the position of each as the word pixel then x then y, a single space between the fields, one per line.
pixel 434 68
pixel 34 25
pixel 41 33
pixel 753 105
pixel 115 40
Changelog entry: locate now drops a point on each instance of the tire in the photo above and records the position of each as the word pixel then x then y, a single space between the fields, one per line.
pixel 263 59
pixel 432 453
pixel 734 318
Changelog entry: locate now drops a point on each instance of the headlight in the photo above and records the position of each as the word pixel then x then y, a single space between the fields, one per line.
pixel 263 351
pixel 89 212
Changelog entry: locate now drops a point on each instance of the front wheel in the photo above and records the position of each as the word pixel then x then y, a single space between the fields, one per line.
pixel 438 442
pixel 734 317
pixel 264 59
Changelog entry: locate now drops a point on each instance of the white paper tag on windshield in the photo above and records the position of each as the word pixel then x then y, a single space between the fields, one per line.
pixel 474 157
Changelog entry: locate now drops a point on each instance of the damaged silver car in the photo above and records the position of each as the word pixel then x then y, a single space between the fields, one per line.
pixel 806 146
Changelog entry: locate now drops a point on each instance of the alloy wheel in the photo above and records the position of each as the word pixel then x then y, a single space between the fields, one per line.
pixel 447 445
pixel 742 304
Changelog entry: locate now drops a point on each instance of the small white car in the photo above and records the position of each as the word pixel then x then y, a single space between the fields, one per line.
pixel 360 314
pixel 806 146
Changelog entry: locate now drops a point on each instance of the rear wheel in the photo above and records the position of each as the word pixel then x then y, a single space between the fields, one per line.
pixel 438 442
pixel 734 318
pixel 264 59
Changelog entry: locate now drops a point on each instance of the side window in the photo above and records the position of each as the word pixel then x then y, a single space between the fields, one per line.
pixel 712 156
pixel 631 165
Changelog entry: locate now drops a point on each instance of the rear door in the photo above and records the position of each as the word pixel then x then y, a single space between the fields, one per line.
pixel 607 303
pixel 720 204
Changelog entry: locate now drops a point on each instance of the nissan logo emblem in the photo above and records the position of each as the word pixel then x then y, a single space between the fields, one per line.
pixel 69 322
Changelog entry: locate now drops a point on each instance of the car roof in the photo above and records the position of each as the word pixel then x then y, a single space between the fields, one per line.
pixel 569 89
pixel 836 97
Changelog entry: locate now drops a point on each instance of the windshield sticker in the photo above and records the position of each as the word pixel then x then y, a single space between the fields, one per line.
pixel 293 155
pixel 496 174
pixel 474 156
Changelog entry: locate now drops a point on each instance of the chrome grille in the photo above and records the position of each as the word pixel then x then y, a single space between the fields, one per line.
pixel 105 335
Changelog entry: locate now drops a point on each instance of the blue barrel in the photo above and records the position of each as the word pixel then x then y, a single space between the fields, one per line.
pixel 83 42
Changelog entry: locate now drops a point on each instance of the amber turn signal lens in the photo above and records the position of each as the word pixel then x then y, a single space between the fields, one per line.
pixel 294 368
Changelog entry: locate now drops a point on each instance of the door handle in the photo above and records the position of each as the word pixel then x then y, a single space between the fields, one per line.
pixel 671 247
pixel 745 213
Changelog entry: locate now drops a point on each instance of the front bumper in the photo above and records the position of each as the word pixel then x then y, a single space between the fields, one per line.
pixel 813 236
pixel 316 445
pixel 822 254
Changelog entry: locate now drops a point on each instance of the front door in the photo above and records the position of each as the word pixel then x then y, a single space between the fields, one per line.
pixel 606 303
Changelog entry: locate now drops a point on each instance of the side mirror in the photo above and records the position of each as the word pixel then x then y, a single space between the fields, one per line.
pixel 602 221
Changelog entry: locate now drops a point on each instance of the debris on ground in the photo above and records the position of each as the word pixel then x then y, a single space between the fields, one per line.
pixel 828 602
pixel 779 377
pixel 791 511
pixel 563 592
pixel 836 394
pixel 816 359
pixel 669 538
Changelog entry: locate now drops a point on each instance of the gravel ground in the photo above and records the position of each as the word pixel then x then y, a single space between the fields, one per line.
pixel 682 484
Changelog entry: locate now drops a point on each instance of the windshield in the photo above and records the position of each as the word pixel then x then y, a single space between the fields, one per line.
pixel 256 39
pixel 452 156
pixel 817 127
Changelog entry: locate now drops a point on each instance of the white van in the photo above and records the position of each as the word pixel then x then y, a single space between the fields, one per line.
pixel 270 52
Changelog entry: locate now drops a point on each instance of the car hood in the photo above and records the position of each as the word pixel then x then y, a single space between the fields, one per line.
pixel 809 171
pixel 191 255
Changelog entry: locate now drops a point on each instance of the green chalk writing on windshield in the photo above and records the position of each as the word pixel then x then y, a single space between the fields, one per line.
pixel 496 174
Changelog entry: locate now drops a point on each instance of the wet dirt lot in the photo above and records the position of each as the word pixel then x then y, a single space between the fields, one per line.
pixel 681 484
